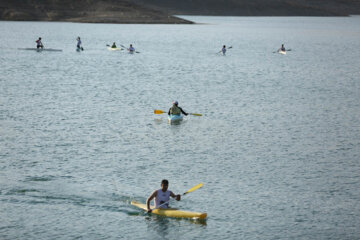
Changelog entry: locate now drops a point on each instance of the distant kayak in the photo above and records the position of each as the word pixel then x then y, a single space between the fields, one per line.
pixel 42 49
pixel 172 212
pixel 175 118
pixel 114 49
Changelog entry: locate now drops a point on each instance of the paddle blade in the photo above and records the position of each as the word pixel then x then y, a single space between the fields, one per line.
pixel 193 188
pixel 158 111
pixel 196 114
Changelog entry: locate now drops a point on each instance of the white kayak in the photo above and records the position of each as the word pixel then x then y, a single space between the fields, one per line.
pixel 114 49
pixel 42 49
pixel 175 118
pixel 282 52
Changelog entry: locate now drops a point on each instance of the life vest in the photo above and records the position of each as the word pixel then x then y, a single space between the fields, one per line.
pixel 175 110
pixel 162 197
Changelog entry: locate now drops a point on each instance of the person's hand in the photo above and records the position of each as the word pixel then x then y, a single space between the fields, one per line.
pixel 178 197
pixel 149 210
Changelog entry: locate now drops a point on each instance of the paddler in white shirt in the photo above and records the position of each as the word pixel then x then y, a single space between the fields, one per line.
pixel 162 196
pixel 39 43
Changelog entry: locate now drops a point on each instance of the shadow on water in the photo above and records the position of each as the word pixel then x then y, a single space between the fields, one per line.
pixel 164 226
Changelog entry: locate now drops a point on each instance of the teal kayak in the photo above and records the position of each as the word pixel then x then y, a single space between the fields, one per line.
pixel 175 118
pixel 42 49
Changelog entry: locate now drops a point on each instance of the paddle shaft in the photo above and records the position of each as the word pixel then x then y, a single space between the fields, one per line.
pixel 188 191
pixel 156 111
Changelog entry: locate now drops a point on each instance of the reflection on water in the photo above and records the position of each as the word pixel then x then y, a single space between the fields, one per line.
pixel 164 226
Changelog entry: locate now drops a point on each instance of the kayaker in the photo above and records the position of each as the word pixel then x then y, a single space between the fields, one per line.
pixel 131 48
pixel 162 196
pixel 39 43
pixel 176 110
pixel 223 50
pixel 282 48
pixel 78 43
pixel 113 45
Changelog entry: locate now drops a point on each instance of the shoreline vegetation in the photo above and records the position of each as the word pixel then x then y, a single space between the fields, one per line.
pixel 163 11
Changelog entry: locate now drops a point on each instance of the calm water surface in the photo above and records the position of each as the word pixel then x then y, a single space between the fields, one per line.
pixel 277 147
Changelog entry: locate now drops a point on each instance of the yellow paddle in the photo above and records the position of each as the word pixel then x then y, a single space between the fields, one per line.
pixel 156 111
pixel 193 188
pixel 188 191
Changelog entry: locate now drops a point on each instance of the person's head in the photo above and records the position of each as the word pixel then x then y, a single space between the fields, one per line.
pixel 39 38
pixel 224 46
pixel 282 45
pixel 114 43
pixel 175 103
pixel 78 38
pixel 130 45
pixel 164 185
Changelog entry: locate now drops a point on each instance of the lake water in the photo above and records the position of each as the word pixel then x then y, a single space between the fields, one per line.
pixel 277 147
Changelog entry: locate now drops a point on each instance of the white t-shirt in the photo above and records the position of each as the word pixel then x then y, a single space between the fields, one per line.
pixel 162 197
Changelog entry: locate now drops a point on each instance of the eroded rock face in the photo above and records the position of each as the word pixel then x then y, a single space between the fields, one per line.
pixel 256 7
pixel 92 11
pixel 161 11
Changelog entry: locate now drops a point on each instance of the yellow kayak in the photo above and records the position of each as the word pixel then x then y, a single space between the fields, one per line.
pixel 171 212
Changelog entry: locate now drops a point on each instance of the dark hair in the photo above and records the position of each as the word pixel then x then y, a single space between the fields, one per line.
pixel 165 182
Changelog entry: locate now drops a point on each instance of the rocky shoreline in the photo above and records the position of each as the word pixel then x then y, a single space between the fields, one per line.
pixel 86 11
pixel 163 11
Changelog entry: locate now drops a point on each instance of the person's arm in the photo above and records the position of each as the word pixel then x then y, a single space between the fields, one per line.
pixel 149 200
pixel 169 111
pixel 177 197
pixel 183 111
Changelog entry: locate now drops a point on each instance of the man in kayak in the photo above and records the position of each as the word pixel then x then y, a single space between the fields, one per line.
pixel 223 50
pixel 113 45
pixel 131 49
pixel 78 43
pixel 39 43
pixel 282 48
pixel 176 110
pixel 162 196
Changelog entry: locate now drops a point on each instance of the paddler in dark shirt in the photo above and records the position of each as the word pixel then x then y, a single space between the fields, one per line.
pixel 113 45
pixel 282 48
pixel 176 110
pixel 162 196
